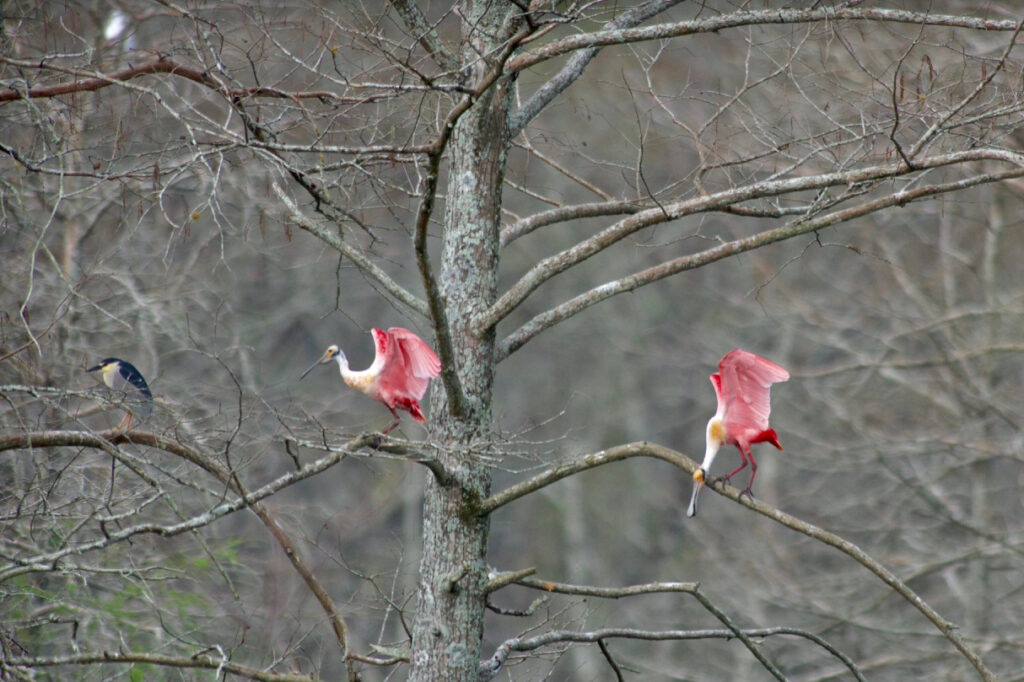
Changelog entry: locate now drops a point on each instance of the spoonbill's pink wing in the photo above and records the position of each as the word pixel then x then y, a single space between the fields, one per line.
pixel 716 381
pixel 743 386
pixel 422 360
pixel 409 363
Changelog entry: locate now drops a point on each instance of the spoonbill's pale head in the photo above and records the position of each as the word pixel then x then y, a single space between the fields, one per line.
pixel 332 353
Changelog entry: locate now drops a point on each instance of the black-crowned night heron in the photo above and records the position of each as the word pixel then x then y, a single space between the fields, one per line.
pixel 121 376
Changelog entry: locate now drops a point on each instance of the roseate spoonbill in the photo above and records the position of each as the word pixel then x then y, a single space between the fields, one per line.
pixel 121 376
pixel 398 377
pixel 742 384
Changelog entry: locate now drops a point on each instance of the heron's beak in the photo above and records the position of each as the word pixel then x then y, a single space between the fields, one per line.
pixel 93 369
pixel 698 483
pixel 323 358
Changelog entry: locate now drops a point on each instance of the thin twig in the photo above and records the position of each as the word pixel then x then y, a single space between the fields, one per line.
pixel 355 255
pixel 741 635
pixel 611 661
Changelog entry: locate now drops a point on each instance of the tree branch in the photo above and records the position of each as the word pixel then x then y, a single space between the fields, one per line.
pixel 579 61
pixel 95 81
pixel 91 80
pixel 741 635
pixel 201 661
pixel 645 449
pixel 927 136
pixel 497 581
pixel 341 246
pixel 435 302
pixel 575 466
pixel 745 18
pixel 558 263
pixel 605 592
pixel 523 227
pixel 104 439
pixel 490 667
pixel 794 228
pixel 611 661
pixel 426 35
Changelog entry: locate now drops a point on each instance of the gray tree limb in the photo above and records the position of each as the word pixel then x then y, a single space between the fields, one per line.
pixel 646 449
pixel 553 265
pixel 574 69
pixel 747 18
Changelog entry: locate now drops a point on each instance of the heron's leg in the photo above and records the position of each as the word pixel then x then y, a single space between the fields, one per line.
pixel 126 421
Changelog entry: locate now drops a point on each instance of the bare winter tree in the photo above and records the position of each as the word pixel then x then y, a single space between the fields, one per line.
pixel 216 192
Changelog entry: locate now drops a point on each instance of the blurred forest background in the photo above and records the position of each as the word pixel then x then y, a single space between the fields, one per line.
pixel 140 220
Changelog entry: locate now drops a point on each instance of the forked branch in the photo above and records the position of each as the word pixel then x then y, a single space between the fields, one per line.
pixel 521 644
pixel 87 81
pixel 794 228
pixel 197 662
pixel 428 192
pixel 348 251
pixel 490 667
pixel 645 449
pixel 251 499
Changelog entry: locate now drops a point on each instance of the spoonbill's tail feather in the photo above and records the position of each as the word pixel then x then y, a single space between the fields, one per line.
pixel 409 405
pixel 416 412
pixel 768 436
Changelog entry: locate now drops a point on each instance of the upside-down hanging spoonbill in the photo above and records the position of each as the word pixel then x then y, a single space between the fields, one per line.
pixel 401 370
pixel 742 384
pixel 121 376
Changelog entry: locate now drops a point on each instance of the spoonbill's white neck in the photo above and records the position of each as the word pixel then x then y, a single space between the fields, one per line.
pixel 358 379
pixel 715 439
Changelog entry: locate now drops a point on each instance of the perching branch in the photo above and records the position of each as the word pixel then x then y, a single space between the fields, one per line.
pixel 575 466
pixel 605 592
pixel 645 449
pixel 949 630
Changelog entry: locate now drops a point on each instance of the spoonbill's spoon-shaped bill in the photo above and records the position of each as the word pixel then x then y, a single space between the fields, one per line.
pixel 401 370
pixel 742 384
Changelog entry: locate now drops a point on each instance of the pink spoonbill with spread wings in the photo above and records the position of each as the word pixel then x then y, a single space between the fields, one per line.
pixel 401 370
pixel 742 384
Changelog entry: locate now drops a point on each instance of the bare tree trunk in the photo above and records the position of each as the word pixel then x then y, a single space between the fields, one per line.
pixel 453 572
